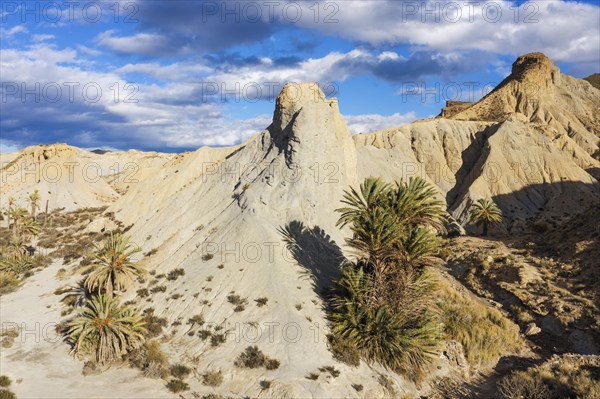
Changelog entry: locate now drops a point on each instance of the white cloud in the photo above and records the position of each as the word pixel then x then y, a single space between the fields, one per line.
pixel 564 30
pixel 8 33
pixel 42 38
pixel 374 122
pixel 141 43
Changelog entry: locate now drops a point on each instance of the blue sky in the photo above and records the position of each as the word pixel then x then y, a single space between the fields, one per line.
pixel 177 75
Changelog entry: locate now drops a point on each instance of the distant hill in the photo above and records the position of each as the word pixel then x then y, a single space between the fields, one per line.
pixel 594 80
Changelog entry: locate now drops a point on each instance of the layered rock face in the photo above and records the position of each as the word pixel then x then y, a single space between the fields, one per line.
pixel 531 145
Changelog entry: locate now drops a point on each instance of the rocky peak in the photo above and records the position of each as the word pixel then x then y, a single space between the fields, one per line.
pixel 535 68
pixel 307 123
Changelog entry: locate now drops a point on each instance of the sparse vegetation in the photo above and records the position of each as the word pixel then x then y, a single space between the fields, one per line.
pixel 312 376
pixel 484 333
pixel 217 339
pixel 213 378
pixel 357 387
pixel 180 371
pixel 569 376
pixel 176 386
pixel 253 358
pixel 260 302
pixel 331 370
pixel 175 274
pixel 5 381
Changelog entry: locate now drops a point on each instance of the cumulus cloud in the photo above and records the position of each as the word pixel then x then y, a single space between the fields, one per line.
pixel 66 101
pixel 499 26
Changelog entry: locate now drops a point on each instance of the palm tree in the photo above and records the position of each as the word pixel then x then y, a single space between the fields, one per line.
pixel 29 227
pixel 113 267
pixel 106 329
pixel 11 203
pixel 34 201
pixel 17 214
pixel 485 212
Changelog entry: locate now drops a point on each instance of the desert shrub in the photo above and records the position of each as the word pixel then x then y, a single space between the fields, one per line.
pixel 196 320
pixel 151 360
pixel 175 274
pixel 176 296
pixel 8 282
pixel 260 302
pixel 265 384
pixel 272 364
pixel 204 334
pixel 180 371
pixel 159 288
pixel 7 337
pixel 343 350
pixel 143 292
pixel 217 339
pixel 177 386
pixel 207 257
pixel 357 387
pixel 154 324
pixel 483 331
pixel 213 378
pixel 561 377
pixel 6 394
pixel 239 302
pixel 298 306
pixel 331 370
pixel 519 385
pixel 312 376
pixel 151 252
pixel 253 358
pixel 5 381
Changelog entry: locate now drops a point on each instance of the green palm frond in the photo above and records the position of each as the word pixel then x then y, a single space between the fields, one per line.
pixel 373 194
pixel 113 268
pixel 106 329
pixel 485 210
pixel 415 204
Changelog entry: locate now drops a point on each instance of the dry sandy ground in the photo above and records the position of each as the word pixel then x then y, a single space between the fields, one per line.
pixel 39 362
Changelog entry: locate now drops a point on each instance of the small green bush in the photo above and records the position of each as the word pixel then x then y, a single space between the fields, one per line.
pixel 6 394
pixel 196 320
pixel 217 339
pixel 5 381
pixel 177 386
pixel 260 302
pixel 253 358
pixel 175 274
pixel 180 371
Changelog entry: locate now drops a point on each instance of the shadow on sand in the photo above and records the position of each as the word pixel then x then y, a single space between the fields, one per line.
pixel 316 252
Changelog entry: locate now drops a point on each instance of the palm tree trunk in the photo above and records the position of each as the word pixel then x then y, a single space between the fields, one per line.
pixel 485 229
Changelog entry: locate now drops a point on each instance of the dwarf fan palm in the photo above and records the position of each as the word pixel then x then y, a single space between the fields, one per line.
pixel 105 329
pixel 113 268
